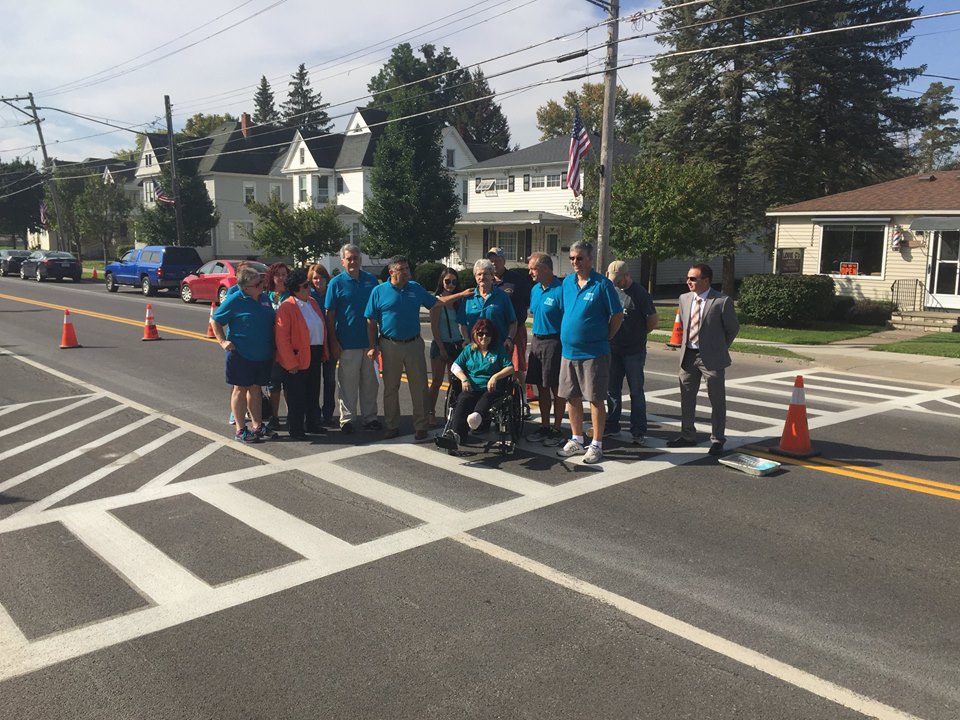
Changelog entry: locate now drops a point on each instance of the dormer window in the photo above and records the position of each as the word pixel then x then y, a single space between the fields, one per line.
pixel 303 156
pixel 451 158
pixel 148 159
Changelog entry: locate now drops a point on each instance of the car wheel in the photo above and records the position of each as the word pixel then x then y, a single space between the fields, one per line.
pixel 39 276
pixel 146 288
pixel 23 274
pixel 222 295
pixel 76 278
pixel 110 283
pixel 186 294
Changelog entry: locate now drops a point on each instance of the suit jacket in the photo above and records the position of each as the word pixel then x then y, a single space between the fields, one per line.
pixel 718 328
pixel 293 337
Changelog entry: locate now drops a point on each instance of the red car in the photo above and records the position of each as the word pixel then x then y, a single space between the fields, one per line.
pixel 213 279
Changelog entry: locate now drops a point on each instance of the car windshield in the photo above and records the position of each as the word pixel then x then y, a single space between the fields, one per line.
pixel 16 253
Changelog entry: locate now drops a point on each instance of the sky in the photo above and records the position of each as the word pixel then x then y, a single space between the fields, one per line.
pixel 114 60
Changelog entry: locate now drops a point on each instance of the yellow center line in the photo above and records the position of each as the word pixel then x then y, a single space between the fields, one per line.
pixel 111 318
pixel 880 477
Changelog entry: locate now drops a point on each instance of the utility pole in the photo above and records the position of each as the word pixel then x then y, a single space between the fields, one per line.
pixel 606 136
pixel 47 166
pixel 174 177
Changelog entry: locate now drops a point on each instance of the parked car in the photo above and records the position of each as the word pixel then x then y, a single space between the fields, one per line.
pixel 10 261
pixel 152 268
pixel 45 264
pixel 212 281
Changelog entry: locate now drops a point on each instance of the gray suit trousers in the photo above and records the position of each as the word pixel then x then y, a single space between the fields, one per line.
pixel 691 371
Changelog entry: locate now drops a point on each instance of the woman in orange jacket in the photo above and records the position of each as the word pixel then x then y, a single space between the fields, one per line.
pixel 300 334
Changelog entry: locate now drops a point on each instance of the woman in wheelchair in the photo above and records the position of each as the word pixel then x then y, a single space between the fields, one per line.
pixel 483 369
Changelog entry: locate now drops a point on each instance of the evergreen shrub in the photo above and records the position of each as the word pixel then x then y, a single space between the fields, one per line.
pixel 870 312
pixel 428 275
pixel 794 301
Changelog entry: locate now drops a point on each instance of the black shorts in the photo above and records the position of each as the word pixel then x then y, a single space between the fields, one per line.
pixel 543 365
pixel 453 349
pixel 244 373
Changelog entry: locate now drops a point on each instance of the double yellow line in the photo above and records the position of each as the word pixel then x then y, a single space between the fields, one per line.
pixel 111 318
pixel 874 475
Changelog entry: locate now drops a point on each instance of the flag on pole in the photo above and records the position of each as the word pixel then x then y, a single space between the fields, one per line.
pixel 160 195
pixel 43 213
pixel 579 147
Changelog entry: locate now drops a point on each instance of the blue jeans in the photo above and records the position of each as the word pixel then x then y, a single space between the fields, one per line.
pixel 631 368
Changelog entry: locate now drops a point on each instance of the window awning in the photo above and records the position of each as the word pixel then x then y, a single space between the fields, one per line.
pixel 934 222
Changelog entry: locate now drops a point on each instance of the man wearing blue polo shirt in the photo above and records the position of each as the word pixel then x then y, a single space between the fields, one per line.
pixel 347 296
pixel 393 328
pixel 543 365
pixel 592 314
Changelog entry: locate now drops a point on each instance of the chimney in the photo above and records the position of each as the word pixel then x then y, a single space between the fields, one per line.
pixel 245 124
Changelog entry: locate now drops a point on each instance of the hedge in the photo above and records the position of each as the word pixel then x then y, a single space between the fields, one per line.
pixel 786 300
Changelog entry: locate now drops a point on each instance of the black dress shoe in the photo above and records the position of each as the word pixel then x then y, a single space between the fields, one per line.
pixel 300 437
pixel 680 441
pixel 716 449
pixel 316 430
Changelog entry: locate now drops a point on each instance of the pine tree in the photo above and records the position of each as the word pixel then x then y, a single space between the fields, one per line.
pixel 303 108
pixel 482 120
pixel 264 109
pixel 940 134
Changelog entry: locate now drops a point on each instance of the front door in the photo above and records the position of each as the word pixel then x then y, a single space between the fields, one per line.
pixel 943 280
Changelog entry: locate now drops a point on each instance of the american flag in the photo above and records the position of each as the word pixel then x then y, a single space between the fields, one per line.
pixel 579 146
pixel 43 213
pixel 160 195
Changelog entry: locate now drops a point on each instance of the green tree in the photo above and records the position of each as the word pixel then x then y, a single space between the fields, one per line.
pixel 481 120
pixel 264 110
pixel 631 117
pixel 303 108
pixel 302 233
pixel 940 134
pixel 102 213
pixel 20 196
pixel 659 209
pixel 201 125
pixel 71 180
pixel 158 224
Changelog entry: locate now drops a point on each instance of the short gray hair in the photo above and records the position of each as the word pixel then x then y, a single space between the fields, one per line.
pixel 247 276
pixel 541 259
pixel 348 248
pixel 582 246
pixel 484 265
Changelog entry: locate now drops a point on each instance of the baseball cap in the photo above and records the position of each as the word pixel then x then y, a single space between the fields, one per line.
pixel 616 269
pixel 498 251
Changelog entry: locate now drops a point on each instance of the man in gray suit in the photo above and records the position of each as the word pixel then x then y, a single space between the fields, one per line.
pixel 709 327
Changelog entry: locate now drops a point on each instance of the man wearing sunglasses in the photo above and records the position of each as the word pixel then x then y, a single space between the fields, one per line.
pixel 709 327
pixel 592 314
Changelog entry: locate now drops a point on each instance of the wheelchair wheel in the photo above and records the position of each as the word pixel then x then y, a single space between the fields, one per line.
pixel 516 414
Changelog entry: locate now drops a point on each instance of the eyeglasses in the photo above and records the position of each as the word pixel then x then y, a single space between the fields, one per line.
pixel 481 334
pixel 258 283
pixel 450 281
pixel 692 279
pixel 577 258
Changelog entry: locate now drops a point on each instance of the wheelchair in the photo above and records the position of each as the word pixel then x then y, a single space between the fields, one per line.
pixel 506 419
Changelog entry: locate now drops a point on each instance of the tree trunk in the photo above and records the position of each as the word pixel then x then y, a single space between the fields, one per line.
pixel 729 276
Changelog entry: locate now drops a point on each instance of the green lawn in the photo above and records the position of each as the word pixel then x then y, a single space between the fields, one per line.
pixel 935 344
pixel 772 350
pixel 820 334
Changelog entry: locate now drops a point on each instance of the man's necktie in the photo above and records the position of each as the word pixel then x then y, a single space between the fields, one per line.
pixel 695 323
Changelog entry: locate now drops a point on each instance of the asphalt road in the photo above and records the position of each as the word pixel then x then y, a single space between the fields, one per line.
pixel 150 568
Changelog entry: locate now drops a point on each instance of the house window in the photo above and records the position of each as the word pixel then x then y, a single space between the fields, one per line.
pixel 302 183
pixel 553 181
pixel 553 243
pixel 249 193
pixel 465 192
pixel 303 155
pixel 148 192
pixel 538 181
pixel 356 231
pixel 275 191
pixel 526 183
pixel 451 155
pixel 148 159
pixel 241 230
pixel 563 180
pixel 501 184
pixel 507 239
pixel 323 189
pixel 848 244
pixel 511 183
pixel 479 185
pixel 339 185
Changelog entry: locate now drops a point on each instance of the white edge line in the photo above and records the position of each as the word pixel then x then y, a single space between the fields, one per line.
pixel 19 406
pixel 171 474
pixel 734 651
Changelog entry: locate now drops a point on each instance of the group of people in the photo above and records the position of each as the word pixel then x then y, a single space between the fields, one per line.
pixel 304 332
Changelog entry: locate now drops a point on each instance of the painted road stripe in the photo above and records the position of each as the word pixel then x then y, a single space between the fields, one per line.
pixel 50 415
pixel 739 653
pixel 19 406
pixel 57 434
pixel 168 476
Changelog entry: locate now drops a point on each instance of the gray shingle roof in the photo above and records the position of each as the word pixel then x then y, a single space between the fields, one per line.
pixel 230 152
pixel 553 151
pixel 937 190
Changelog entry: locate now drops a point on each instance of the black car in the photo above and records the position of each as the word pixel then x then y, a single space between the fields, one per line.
pixel 10 261
pixel 45 264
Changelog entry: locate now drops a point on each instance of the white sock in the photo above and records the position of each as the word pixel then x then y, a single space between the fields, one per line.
pixel 598 445
pixel 577 438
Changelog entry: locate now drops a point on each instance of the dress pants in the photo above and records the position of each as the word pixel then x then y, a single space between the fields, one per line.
pixel 329 375
pixel 356 378
pixel 397 358
pixel 691 371
pixel 297 400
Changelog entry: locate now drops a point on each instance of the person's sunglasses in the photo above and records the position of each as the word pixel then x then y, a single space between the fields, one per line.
pixel 692 279
pixel 483 334
pixel 449 281
pixel 577 258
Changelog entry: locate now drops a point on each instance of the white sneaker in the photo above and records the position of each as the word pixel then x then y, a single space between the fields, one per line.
pixel 571 448
pixel 473 420
pixel 593 455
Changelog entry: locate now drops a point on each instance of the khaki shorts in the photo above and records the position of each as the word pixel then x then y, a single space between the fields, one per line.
pixel 586 379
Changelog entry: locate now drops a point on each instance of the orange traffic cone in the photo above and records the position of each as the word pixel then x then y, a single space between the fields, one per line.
pixel 69 337
pixel 150 326
pixel 93 274
pixel 210 334
pixel 795 441
pixel 676 339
